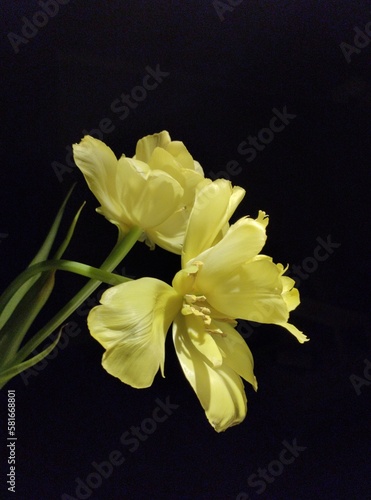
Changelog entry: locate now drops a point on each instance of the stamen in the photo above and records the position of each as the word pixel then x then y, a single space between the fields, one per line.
pixel 190 299
pixel 216 331
pixel 191 306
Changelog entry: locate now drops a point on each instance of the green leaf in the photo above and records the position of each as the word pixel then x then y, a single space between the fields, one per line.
pixel 118 253
pixel 62 248
pixel 7 309
pixel 25 312
pixel 24 309
pixel 11 372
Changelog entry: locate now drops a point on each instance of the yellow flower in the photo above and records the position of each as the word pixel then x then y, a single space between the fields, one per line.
pixel 223 277
pixel 154 190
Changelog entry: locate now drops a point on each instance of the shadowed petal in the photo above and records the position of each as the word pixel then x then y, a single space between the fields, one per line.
pixel 203 341
pixel 219 389
pixel 236 352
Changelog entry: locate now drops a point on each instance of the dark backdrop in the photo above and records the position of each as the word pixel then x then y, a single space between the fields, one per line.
pixel 227 69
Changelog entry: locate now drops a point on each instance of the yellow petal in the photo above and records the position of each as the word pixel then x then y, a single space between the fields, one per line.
pixel 149 197
pixel 289 293
pixel 243 241
pixel 190 180
pixel 162 160
pixel 169 235
pixel 287 283
pixel 292 298
pixel 98 163
pixel 146 145
pixel 294 331
pixel 198 168
pixel 237 195
pixel 219 389
pixel 252 292
pixel 237 354
pixel 178 150
pixel 203 341
pixel 213 207
pixel 184 280
pixel 193 181
pixel 131 324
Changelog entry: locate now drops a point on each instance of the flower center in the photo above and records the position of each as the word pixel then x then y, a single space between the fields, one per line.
pixel 193 305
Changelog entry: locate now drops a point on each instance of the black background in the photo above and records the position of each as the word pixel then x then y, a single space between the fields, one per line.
pixel 225 78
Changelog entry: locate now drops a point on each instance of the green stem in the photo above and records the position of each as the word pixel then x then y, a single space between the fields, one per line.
pixel 121 249
pixel 62 265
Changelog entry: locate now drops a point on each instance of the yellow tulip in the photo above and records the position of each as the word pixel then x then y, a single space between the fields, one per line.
pixel 154 190
pixel 223 277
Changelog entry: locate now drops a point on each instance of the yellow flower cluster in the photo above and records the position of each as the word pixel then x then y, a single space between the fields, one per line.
pixel 223 275
pixel 154 190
